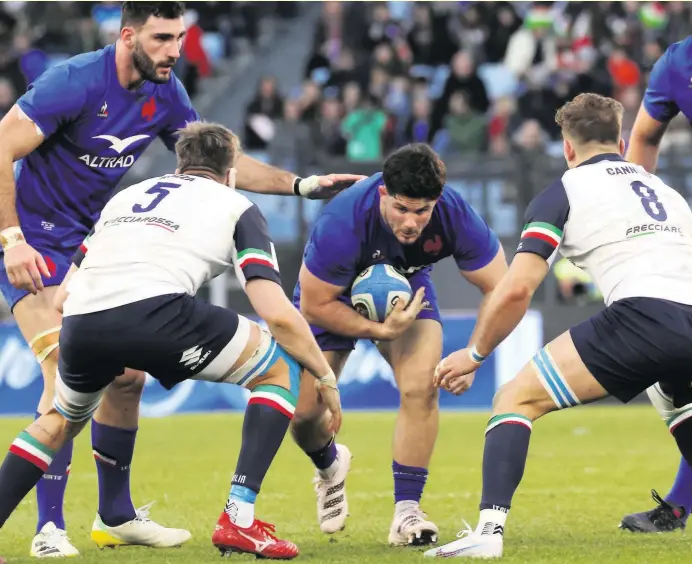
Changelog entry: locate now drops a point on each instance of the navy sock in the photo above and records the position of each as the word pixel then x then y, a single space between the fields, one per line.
pixel 409 482
pixel 267 416
pixel 504 458
pixel 50 490
pixel 113 450
pixel 681 492
pixel 323 458
pixel 21 470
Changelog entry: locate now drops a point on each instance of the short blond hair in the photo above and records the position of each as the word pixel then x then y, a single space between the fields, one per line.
pixel 208 146
pixel 591 118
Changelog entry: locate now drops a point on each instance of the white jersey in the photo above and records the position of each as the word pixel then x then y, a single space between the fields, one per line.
pixel 168 235
pixel 628 229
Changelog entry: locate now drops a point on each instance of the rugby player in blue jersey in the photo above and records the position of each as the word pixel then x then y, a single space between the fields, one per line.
pixel 408 217
pixel 668 94
pixel 76 132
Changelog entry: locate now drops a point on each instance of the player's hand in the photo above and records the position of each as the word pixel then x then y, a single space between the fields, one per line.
pixel 324 187
pixel 24 266
pixel 455 373
pixel 329 392
pixel 402 316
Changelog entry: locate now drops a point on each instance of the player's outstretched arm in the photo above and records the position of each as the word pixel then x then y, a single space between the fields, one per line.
pixel 645 140
pixel 319 303
pixel 293 333
pixel 261 178
pixel 506 307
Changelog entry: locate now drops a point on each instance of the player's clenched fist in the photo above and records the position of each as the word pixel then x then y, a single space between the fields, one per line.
pixel 24 265
pixel 402 316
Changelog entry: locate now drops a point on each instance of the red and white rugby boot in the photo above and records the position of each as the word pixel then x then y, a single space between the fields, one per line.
pixel 257 539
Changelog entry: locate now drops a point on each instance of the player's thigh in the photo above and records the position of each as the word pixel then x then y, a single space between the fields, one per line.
pixel 555 378
pixel 39 323
pixel 413 358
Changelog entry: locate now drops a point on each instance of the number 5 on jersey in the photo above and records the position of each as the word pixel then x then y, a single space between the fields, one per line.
pixel 649 201
pixel 161 190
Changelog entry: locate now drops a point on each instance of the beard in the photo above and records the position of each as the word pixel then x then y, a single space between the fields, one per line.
pixel 147 68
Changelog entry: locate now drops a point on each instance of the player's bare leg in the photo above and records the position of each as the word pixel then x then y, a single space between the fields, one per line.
pixel 269 411
pixel 39 323
pixel 310 430
pixel 413 357
pixel 556 378
pixel 113 433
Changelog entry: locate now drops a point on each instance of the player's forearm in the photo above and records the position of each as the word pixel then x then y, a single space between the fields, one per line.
pixel 336 317
pixel 261 178
pixel 482 313
pixel 505 308
pixel 8 210
pixel 293 333
pixel 643 151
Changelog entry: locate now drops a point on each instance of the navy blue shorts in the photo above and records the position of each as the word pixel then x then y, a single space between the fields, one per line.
pixel 58 262
pixel 172 337
pixel 330 342
pixel 636 342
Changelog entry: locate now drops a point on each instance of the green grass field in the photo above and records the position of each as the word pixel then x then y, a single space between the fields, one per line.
pixel 587 467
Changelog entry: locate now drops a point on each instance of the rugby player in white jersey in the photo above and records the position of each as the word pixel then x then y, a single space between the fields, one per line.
pixel 632 233
pixel 129 302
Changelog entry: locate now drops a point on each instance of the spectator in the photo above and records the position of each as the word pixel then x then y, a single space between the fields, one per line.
pixel 419 128
pixel 429 39
pixel 8 96
pixel 504 22
pixel 260 114
pixel 467 129
pixel 352 95
pixel 291 146
pixel 499 127
pixel 329 139
pixel 363 129
pixel 309 102
pixel 530 138
pixel 465 79
pixel 532 49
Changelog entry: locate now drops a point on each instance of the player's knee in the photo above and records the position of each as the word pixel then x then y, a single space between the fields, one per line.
pixel 129 385
pixel 513 398
pixel 417 391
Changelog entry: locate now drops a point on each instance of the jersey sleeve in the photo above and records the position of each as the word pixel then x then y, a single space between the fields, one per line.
pixel 658 98
pixel 475 244
pixel 56 98
pixel 545 220
pixel 332 251
pixel 183 113
pixel 254 255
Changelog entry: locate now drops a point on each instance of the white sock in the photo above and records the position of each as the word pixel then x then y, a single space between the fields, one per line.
pixel 494 516
pixel 406 505
pixel 241 513
pixel 329 472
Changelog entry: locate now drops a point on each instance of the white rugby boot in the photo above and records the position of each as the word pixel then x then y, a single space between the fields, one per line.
pixel 332 506
pixel 485 542
pixel 51 542
pixel 141 531
pixel 411 527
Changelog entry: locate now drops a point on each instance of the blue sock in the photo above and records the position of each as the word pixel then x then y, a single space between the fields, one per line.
pixel 50 490
pixel 409 482
pixel 324 457
pixel 681 492
pixel 113 451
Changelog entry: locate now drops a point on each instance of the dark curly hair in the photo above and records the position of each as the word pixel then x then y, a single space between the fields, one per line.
pixel 414 171
pixel 137 13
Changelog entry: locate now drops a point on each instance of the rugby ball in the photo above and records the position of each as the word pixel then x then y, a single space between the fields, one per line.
pixel 375 291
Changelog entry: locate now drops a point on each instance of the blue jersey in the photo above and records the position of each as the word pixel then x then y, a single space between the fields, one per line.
pixel 350 235
pixel 94 131
pixel 669 91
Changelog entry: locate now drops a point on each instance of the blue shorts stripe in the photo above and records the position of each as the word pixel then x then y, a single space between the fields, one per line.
pixel 571 400
pixel 560 400
pixel 268 355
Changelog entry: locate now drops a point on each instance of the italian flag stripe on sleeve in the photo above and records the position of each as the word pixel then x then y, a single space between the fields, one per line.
pixel 543 231
pixel 256 256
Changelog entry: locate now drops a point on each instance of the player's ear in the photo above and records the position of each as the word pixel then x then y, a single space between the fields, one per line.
pixel 382 191
pixel 127 36
pixel 622 147
pixel 230 177
pixel 568 151
pixel 177 171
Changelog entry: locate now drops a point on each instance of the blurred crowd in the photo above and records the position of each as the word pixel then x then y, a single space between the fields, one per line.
pixel 467 77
